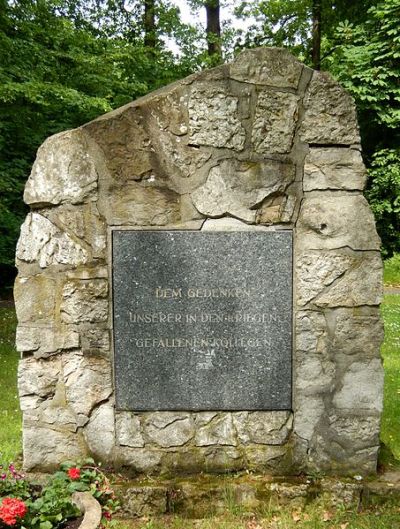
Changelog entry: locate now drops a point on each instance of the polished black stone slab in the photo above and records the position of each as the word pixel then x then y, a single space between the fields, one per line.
pixel 202 320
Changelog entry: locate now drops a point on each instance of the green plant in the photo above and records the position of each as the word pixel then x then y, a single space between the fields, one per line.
pixel 29 506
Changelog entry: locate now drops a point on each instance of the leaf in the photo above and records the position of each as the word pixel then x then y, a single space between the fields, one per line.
pixel 327 516
pixel 344 525
pixel 296 516
pixel 46 525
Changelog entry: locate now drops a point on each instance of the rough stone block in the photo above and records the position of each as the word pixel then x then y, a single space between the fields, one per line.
pixel 356 390
pixel 38 377
pixel 35 299
pixel 324 223
pixel 333 168
pixel 87 383
pixel 64 171
pixel 167 429
pixel 269 428
pixel 99 432
pixel 236 187
pixel 267 66
pixel 274 122
pixel 330 114
pixel 128 430
pixel 43 243
pixel 219 431
pixel 85 301
pixel 213 118
pixel 46 341
pixel 44 448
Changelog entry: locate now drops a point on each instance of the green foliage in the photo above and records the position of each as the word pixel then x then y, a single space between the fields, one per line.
pixel 391 271
pixel 50 506
pixel 390 428
pixel 383 194
pixel 60 68
pixel 10 415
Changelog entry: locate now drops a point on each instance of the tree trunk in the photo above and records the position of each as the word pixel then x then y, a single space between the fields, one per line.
pixel 213 28
pixel 150 39
pixel 316 33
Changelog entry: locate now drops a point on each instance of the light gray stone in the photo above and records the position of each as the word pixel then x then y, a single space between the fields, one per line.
pixel 265 457
pixel 268 428
pixel 308 412
pixel 168 429
pixel 87 382
pixel 357 432
pixel 317 270
pixel 274 122
pixel 324 223
pixel 219 431
pixel 330 114
pixel 334 168
pixel 44 447
pixel 237 187
pixel 360 285
pixel 99 432
pixel 85 301
pixel 35 298
pixel 229 224
pixel 38 377
pixel 213 118
pixel 139 459
pixel 43 243
pixel 357 333
pixel 128 430
pixel 46 341
pixel 63 171
pixel 362 387
pixel 311 332
pixel 267 66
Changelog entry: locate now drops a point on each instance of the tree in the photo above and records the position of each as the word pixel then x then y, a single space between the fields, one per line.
pixel 316 33
pixel 213 29
pixel 58 72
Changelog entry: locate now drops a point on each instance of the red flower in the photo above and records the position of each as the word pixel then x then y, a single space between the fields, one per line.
pixel 74 473
pixel 11 509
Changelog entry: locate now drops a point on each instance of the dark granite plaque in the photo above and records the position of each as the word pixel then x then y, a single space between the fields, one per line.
pixel 202 320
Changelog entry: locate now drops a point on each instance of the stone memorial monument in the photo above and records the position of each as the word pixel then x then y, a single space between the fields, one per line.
pixel 200 279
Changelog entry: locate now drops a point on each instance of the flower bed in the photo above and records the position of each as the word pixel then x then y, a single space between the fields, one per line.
pixel 26 505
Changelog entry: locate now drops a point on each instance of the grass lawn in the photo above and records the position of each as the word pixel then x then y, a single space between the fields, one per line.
pixel 10 415
pixel 391 273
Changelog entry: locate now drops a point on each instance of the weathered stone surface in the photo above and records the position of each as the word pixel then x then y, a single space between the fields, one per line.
pixel 219 431
pixel 82 222
pixel 356 332
pixel 361 285
pixel 333 168
pixel 95 340
pixel 357 392
pixel 317 270
pixel 35 298
pixel 138 459
pixel 356 432
pixel 136 205
pixel 274 122
pixel 128 430
pixel 230 224
pixel 269 428
pixel 267 66
pixel 311 332
pixel 38 377
pixel 222 458
pixel 169 429
pixel 42 242
pixel 99 433
pixel 44 448
pixel 330 113
pixel 324 223
pixel 46 341
pixel 85 301
pixel 307 414
pixel 87 383
pixel 266 457
pixel 90 507
pixel 64 171
pixel 213 118
pixel 237 187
